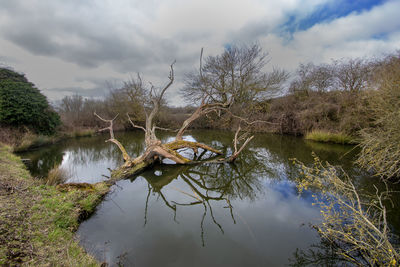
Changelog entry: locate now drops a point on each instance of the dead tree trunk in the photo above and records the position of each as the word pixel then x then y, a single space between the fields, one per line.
pixel 155 149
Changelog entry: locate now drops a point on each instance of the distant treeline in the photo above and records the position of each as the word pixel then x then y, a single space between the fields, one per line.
pixel 344 100
pixel 332 97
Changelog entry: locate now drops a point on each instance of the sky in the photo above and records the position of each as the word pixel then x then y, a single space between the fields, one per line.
pixel 84 47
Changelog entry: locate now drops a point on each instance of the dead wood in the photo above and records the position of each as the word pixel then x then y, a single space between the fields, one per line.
pixel 156 151
pixel 125 155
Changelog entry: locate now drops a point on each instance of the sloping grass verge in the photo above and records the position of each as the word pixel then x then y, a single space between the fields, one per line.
pixel 37 222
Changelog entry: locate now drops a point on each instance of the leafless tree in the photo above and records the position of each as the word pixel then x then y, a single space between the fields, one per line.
pixel 131 98
pixel 237 73
pixel 155 149
pixel 77 111
pixel 351 75
pixel 312 77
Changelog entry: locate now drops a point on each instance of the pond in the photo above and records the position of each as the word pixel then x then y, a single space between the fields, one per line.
pixel 243 214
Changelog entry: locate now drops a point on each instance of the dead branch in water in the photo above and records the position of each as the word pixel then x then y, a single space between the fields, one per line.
pixel 155 149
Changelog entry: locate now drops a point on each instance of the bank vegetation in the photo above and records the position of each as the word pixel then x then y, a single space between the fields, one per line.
pixel 38 220
pixel 345 101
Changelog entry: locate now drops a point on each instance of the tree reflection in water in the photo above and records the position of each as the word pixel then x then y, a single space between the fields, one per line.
pixel 321 254
pixel 207 184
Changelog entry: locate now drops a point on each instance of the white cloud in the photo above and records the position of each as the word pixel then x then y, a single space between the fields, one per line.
pixel 56 43
pixel 356 35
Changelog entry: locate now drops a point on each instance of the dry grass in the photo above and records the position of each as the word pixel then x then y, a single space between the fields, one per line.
pixel 83 133
pixel 56 176
pixel 328 137
pixel 30 141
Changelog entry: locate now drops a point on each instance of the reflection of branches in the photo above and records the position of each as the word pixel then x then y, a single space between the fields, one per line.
pixel 160 194
pixel 230 209
pixel 208 184
pixel 147 204
pixel 322 254
pixel 204 199
pixel 202 225
pixel 213 218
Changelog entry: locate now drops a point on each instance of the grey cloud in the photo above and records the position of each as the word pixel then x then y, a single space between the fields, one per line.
pixel 33 41
pixel 103 84
pixel 251 31
pixel 106 41
pixel 4 60
pixel 58 93
pixel 10 6
pixel 78 40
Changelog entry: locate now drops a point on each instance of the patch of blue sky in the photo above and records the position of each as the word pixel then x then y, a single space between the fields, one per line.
pixel 228 46
pixel 326 13
pixel 381 36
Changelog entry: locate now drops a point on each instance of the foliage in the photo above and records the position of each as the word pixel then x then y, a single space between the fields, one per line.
pixel 355 223
pixel 9 74
pixel 38 221
pixel 333 111
pixel 21 104
pixel 381 143
pixel 328 137
pixel 30 141
pixel 331 97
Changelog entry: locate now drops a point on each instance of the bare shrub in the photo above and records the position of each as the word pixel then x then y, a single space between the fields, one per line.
pixel 355 223
pixel 381 142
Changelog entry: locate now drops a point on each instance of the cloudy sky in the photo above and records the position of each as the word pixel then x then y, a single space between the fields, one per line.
pixel 76 46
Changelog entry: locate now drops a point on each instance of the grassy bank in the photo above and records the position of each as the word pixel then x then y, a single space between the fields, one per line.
pixel 37 222
pixel 328 137
pixel 32 141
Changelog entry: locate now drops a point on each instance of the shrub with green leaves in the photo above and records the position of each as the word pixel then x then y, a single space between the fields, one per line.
pixel 22 104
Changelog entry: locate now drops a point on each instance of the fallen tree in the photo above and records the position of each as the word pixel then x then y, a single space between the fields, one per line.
pixel 156 151
pixel 227 84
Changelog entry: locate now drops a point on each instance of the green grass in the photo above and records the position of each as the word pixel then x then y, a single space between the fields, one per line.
pixel 328 137
pixel 38 221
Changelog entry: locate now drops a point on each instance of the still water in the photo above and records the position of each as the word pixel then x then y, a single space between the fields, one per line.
pixel 243 214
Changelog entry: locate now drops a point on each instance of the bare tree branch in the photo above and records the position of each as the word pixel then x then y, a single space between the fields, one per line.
pixel 134 125
pixel 125 155
pixel 236 141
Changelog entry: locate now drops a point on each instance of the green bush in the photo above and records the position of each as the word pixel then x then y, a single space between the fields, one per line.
pixel 21 104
